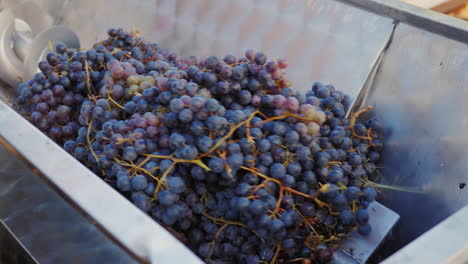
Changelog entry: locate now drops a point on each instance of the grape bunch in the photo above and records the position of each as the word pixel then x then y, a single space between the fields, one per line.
pixel 221 151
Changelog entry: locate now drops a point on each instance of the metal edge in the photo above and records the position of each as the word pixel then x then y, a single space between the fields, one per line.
pixel 358 249
pixel 449 235
pixel 428 20
pixel 363 91
pixel 21 253
pixel 130 228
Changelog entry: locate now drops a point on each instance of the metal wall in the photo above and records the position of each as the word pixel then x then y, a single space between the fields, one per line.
pixel 420 92
pixel 51 229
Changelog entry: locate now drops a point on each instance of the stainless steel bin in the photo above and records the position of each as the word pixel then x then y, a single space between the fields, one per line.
pixel 409 63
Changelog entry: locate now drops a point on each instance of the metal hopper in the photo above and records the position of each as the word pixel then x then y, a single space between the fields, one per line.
pixel 410 64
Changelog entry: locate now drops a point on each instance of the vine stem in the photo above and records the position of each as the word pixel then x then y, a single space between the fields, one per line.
pixel 285 116
pixel 352 122
pixel 89 141
pixel 163 179
pixel 216 237
pixel 275 257
pixel 221 220
pixel 114 102
pixel 247 129
pixel 314 196
pixel 88 80
pixel 177 160
pixel 228 135
pixel 280 199
pixel 137 167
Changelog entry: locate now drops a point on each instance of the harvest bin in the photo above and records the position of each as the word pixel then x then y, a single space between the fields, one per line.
pixel 408 63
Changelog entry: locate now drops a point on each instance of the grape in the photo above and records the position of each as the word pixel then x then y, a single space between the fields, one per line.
pixel 238 72
pixel 373 156
pixel 215 122
pixel 176 184
pixel 188 138
pixel 362 216
pixel 322 159
pixel 124 183
pixel 291 137
pixel 369 194
pixel 355 159
pixel 264 145
pixel 189 152
pixel 176 105
pixel 260 58
pixel 130 153
pixel 365 229
pixel 216 165
pixel 167 197
pixel 276 225
pixel 139 182
pixel 141 201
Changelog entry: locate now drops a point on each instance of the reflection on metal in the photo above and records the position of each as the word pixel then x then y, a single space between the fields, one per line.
pixel 11 249
pixel 427 20
pixel 46 224
pixel 420 92
pixel 446 243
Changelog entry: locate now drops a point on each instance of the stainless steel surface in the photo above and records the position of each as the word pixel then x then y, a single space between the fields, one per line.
pixel 12 250
pixel 48 226
pixel 428 20
pixel 39 47
pixel 135 230
pixel 357 249
pixel 446 243
pixel 11 66
pixel 420 92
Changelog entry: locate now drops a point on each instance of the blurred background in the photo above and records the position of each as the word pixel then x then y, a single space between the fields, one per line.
pixel 455 8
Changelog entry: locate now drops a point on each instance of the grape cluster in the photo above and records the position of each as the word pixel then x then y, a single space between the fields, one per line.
pixel 223 152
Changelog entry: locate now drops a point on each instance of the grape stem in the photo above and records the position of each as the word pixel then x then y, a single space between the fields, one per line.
pixel 177 160
pixel 227 136
pixel 221 220
pixel 314 196
pixel 263 184
pixel 278 248
pixel 137 167
pixel 247 129
pixel 163 179
pixel 216 237
pixel 109 98
pixel 305 220
pixel 280 199
pixel 352 122
pixel 88 80
pixel 227 222
pixel 89 141
pixel 285 116
pixel 295 260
